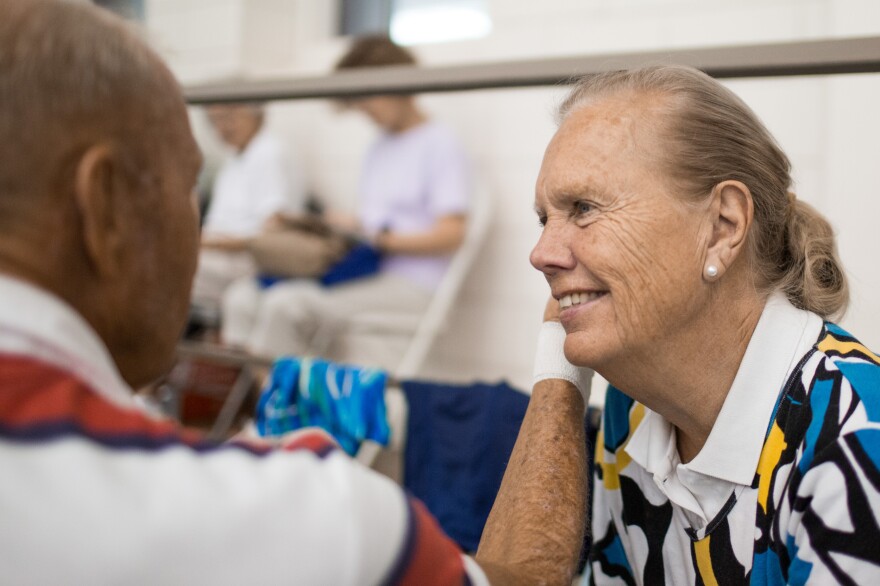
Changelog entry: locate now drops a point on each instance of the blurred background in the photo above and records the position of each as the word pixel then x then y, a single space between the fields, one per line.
pixel 828 125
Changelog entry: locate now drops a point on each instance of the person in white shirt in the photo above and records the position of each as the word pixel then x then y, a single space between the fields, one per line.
pixel 98 245
pixel 256 182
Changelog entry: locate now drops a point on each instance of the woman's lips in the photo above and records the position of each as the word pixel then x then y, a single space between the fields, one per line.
pixel 574 303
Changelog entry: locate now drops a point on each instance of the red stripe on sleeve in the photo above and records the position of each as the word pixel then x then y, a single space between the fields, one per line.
pixel 35 393
pixel 434 559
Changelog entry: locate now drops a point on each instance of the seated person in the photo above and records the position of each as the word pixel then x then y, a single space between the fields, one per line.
pixel 93 489
pixel 414 194
pixel 741 437
pixel 252 186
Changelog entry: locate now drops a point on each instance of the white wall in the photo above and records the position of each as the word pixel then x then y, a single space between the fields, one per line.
pixel 828 125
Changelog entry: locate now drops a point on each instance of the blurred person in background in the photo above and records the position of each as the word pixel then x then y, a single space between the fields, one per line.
pixel 413 199
pixel 255 183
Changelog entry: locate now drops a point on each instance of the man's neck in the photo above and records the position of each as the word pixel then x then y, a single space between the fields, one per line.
pixel 17 262
pixel 64 278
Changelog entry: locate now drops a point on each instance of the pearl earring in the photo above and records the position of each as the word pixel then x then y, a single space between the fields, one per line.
pixel 711 271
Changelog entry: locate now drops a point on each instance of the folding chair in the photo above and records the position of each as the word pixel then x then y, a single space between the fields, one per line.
pixel 422 329
pixel 428 325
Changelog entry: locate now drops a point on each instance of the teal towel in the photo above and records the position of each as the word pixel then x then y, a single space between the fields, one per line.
pixel 346 401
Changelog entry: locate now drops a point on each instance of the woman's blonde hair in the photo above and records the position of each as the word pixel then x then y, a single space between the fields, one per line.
pixel 713 136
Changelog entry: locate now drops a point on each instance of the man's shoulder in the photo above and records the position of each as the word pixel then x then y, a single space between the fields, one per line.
pixel 41 402
pixel 20 371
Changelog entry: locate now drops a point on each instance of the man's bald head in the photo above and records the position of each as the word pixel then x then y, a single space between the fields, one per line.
pixel 98 167
pixel 70 73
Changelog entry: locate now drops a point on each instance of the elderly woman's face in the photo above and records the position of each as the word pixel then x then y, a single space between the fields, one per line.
pixel 622 254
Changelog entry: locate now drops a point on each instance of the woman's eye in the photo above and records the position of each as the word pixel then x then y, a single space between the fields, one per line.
pixel 581 208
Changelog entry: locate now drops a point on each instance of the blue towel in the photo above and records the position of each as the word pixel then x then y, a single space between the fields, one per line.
pixel 361 261
pixel 346 401
pixel 459 439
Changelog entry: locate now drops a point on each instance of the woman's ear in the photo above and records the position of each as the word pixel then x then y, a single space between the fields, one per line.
pixel 100 185
pixel 732 211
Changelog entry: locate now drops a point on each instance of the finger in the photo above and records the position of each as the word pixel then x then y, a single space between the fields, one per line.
pixel 551 310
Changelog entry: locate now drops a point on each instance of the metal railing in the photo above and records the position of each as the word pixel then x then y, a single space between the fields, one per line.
pixel 819 57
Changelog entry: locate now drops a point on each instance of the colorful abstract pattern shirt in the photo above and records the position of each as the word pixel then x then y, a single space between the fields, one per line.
pixel 809 514
pixel 95 491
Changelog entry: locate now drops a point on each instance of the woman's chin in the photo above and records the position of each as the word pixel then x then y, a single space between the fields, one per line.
pixel 581 350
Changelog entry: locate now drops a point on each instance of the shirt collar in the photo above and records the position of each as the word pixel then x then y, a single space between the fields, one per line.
pixel 37 324
pixel 783 335
pixel 652 444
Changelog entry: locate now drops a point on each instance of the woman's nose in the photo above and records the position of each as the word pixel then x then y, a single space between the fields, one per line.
pixel 552 253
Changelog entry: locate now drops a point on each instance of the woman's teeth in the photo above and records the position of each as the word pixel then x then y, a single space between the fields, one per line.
pixel 577 299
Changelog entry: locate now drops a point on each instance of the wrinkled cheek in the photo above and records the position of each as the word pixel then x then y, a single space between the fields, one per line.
pixel 639 286
pixel 637 317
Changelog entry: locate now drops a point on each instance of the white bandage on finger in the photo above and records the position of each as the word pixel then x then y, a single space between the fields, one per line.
pixel 550 361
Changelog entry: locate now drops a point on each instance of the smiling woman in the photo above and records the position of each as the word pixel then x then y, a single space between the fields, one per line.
pixel 691 278
pixel 613 226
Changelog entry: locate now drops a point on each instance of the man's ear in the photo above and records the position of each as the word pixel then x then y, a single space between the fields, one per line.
pixel 732 214
pixel 100 187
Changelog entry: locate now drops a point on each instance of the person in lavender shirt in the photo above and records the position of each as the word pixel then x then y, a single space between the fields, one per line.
pixel 413 193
